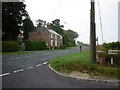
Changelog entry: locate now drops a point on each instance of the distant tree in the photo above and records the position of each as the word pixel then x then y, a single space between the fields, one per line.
pixel 69 38
pixel 41 23
pixel 57 27
pixel 28 26
pixel 12 15
pixel 72 34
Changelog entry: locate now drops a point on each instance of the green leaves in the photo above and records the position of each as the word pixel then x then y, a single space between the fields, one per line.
pixel 31 45
pixel 12 14
pixel 27 27
pixel 9 46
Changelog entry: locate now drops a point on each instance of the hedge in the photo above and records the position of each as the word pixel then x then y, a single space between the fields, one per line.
pixel 63 47
pixel 10 46
pixel 31 45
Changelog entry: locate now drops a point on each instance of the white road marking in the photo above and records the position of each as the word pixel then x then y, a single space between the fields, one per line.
pixel 45 63
pixel 38 65
pixel 18 57
pixel 29 67
pixel 18 70
pixel 4 74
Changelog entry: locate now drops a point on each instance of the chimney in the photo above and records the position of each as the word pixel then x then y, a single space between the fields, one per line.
pixel 49 26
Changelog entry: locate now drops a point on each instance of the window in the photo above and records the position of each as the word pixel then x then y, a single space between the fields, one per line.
pixel 51 42
pixel 55 43
pixel 46 44
pixel 51 35
pixel 55 36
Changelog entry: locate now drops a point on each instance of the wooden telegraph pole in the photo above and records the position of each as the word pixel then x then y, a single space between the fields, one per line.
pixel 92 33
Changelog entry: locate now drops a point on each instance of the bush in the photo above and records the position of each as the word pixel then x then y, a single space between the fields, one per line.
pixel 109 46
pixel 9 46
pixel 31 45
pixel 63 47
pixel 43 45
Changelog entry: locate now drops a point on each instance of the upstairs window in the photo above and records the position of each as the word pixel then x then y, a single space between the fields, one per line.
pixel 55 36
pixel 51 35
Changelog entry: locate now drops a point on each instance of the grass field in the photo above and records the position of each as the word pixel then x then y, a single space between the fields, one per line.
pixel 81 62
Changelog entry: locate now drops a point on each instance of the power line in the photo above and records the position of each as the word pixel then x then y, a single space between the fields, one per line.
pixel 100 20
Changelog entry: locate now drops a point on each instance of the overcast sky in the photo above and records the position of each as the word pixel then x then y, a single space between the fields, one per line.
pixel 75 15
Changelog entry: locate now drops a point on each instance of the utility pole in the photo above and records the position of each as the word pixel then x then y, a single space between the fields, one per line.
pixel 92 33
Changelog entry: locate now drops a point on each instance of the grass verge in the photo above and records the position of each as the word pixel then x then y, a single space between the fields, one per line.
pixel 81 62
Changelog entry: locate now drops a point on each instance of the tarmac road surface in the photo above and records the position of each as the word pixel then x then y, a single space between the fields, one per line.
pixel 32 71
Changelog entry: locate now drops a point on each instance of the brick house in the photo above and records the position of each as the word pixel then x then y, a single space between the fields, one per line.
pixel 52 38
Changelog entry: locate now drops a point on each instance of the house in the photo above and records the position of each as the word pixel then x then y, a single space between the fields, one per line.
pixel 52 38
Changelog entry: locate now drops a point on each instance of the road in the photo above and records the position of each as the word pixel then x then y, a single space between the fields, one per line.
pixel 32 71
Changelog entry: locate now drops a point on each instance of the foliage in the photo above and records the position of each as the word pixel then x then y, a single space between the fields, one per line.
pixel 40 23
pixel 27 27
pixel 63 47
pixel 81 43
pixel 31 45
pixel 109 46
pixel 56 26
pixel 113 45
pixel 9 46
pixel 69 38
pixel 12 14
pixel 81 62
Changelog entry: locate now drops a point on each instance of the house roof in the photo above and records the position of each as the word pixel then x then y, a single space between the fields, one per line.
pixel 46 30
pixel 53 32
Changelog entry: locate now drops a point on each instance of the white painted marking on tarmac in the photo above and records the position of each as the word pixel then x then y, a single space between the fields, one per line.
pixel 45 63
pixel 38 65
pixel 18 70
pixel 4 74
pixel 29 67
pixel 18 57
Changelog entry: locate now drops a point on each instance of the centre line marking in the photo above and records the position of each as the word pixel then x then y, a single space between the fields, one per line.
pixel 38 65
pixel 45 63
pixel 18 70
pixel 4 74
pixel 29 67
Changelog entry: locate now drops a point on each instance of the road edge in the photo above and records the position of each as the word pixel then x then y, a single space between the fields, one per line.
pixel 92 80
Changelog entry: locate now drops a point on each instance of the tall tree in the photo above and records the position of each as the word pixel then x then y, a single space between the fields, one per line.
pixel 12 15
pixel 57 27
pixel 69 38
pixel 28 26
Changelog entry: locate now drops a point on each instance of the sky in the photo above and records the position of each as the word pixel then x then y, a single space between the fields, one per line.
pixel 75 15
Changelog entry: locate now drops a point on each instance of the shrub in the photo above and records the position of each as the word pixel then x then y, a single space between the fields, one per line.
pixel 43 45
pixel 56 47
pixel 63 47
pixel 9 46
pixel 31 45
